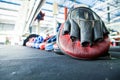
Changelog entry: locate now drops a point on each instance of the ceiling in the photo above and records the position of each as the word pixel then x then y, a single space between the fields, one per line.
pixel 9 10
pixel 108 10
pixel 99 6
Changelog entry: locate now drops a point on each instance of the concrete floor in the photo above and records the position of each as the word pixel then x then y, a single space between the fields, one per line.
pixel 23 63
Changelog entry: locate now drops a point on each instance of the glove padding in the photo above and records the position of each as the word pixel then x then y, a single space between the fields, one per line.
pixel 83 35
pixel 75 50
pixel 85 25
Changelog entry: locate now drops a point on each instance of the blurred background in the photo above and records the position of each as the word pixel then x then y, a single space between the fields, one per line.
pixel 19 18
